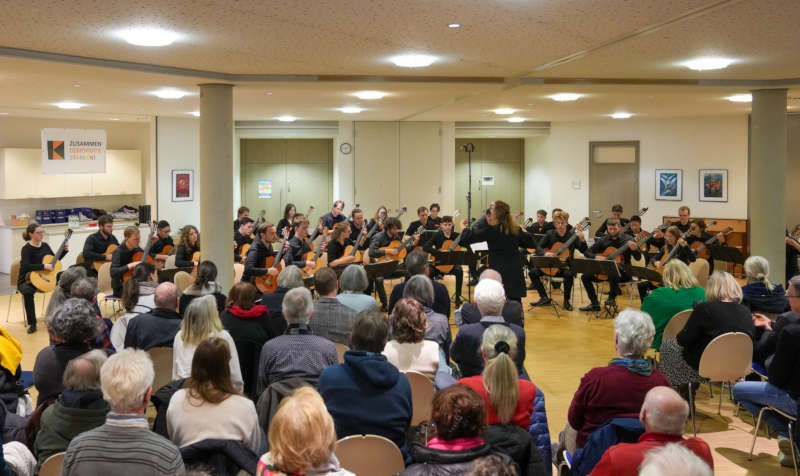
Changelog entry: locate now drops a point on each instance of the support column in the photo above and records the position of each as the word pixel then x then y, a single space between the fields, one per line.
pixel 766 202
pixel 216 178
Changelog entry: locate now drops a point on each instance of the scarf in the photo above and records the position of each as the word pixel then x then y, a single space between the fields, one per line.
pixel 208 288
pixel 456 444
pixel 147 288
pixel 637 366
pixel 255 311
pixel 10 352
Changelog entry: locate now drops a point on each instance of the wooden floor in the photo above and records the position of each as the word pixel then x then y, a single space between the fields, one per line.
pixel 559 352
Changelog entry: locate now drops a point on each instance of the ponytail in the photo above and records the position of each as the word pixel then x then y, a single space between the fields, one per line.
pixel 130 288
pixel 32 226
pixel 500 381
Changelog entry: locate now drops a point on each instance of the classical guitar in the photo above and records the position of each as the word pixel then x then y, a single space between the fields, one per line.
pixel 266 283
pixel 196 258
pixel 401 247
pixel 45 281
pixel 314 258
pixel 167 250
pixel 449 245
pixel 667 257
pixel 701 250
pixel 99 264
pixel 317 228
pixel 139 256
pixel 352 250
pixel 561 250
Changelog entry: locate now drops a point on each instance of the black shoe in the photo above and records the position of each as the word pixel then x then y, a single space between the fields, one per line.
pixel 531 287
pixel 473 281
pixel 611 302
pixel 567 306
pixel 384 309
pixel 541 302
pixel 31 329
pixel 591 308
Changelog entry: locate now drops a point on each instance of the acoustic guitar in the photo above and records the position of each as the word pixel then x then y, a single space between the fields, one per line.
pixel 45 281
pixel 447 246
pixel 561 250
pixel 314 259
pixel 266 283
pixel 352 250
pixel 108 252
pixel 317 228
pixel 196 258
pixel 167 250
pixel 139 256
pixel 401 247
pixel 701 250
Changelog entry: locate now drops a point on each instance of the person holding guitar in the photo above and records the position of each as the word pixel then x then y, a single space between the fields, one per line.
pixel 391 232
pixel 441 241
pixel 613 244
pixel 189 244
pixel 241 237
pixel 424 222
pixel 122 258
pixel 31 260
pixel 337 244
pixel 673 238
pixel 616 214
pixel 541 225
pixel 380 216
pixel 242 212
pixel 329 220
pixel 298 246
pixel 434 217
pixel 683 223
pixel 254 263
pixel 356 224
pixel 553 241
pixel 95 249
pixel 162 243
pixel 289 211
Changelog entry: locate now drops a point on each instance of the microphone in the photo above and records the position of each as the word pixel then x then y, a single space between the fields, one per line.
pixel 468 147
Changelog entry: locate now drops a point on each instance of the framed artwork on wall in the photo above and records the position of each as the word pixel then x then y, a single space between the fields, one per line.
pixel 669 184
pixel 182 185
pixel 713 185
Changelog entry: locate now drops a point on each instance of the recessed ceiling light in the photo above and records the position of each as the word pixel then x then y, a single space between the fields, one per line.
pixel 149 36
pixel 500 111
pixel 195 113
pixel 69 105
pixel 413 61
pixel 621 115
pixel 703 64
pixel 454 25
pixel 170 93
pixel 370 94
pixel 563 97
pixel 286 118
pixel 740 98
pixel 3 113
pixel 76 85
pixel 516 119
pixel 268 93
pixel 351 109
pixel 113 118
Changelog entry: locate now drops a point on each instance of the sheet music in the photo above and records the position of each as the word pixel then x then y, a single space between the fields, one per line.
pixel 482 246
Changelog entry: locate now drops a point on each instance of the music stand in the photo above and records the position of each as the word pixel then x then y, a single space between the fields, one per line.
pixel 455 258
pixel 728 254
pixel 596 267
pixel 380 270
pixel 165 275
pixel 543 262
pixel 644 274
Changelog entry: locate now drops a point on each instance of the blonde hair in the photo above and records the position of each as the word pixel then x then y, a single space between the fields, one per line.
pixel 721 285
pixel 756 268
pixel 301 434
pixel 561 214
pixel 500 376
pixel 677 275
pixel 125 379
pixel 201 320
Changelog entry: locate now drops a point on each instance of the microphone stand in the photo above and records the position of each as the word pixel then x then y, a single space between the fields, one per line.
pixel 469 148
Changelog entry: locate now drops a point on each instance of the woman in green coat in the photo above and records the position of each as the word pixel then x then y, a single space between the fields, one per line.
pixel 679 293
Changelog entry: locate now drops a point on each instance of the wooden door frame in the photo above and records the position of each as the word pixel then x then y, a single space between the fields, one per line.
pixel 592 145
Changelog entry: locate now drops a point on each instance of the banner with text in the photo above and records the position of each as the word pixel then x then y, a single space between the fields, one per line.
pixel 73 151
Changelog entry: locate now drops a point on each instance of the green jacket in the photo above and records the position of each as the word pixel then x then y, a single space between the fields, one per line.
pixel 663 303
pixel 61 424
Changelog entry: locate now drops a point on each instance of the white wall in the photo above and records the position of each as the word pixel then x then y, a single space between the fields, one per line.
pixel 177 147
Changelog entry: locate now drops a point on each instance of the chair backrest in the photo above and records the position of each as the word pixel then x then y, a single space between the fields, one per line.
pixel 80 259
pixel 422 392
pixel 52 465
pixel 162 363
pixel 170 262
pixel 13 274
pixel 369 455
pixel 676 324
pixel 182 281
pixel 700 269
pixel 727 358
pixel 340 350
pixel 104 279
pixel 238 271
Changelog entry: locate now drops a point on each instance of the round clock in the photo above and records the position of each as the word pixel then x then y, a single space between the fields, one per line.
pixel 345 148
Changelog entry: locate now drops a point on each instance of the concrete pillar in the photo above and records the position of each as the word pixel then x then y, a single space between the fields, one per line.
pixel 216 178
pixel 767 179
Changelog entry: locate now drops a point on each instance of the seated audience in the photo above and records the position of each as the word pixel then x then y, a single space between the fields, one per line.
pixel 296 353
pixel 417 263
pixel 301 439
pixel 617 390
pixel 62 292
pixel 71 326
pixel 489 298
pixel 420 288
pixel 79 408
pixel 139 291
pixel 459 421
pixel 469 313
pixel 204 285
pixel 663 415
pixel 208 406
pixel 86 289
pixel 759 294
pixel 332 319
pixel 124 444
pixel 409 350
pixel 673 459
pixel 290 277
pixel 765 346
pixel 353 282
pixel 679 293
pixel 158 327
pixel 721 313
pixel 493 465
pixel 201 322
pixel 367 394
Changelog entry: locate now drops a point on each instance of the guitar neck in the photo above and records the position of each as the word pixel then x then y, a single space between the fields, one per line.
pixel 567 244
pixel 62 246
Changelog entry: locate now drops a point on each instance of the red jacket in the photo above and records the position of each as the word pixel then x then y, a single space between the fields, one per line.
pixel 522 415
pixel 624 459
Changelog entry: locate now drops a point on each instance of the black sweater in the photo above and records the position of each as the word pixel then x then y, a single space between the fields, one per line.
pixel 120 259
pixel 709 320
pixel 183 256
pixel 254 263
pixel 95 246
pixel 159 245
pixel 784 371
pixel 31 259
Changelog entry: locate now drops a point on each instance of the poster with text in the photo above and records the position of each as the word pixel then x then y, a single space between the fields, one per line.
pixel 265 189
pixel 73 151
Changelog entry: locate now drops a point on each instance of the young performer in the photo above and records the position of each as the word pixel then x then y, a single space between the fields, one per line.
pixel 356 223
pixel 541 225
pixel 434 217
pixel 557 235
pixel 616 213
pixel 97 243
pixel 31 260
pixel 242 237
pixel 122 258
pixel 435 245
pixel 380 216
pixel 337 244
pixel 391 232
pixel 672 238
pixel 161 240
pixel 255 263
pixel 697 232
pixel 329 220
pixel 614 238
pixel 423 220
pixel 289 211
pixel 188 245
pixel 241 213
pixel 298 246
pixel 683 223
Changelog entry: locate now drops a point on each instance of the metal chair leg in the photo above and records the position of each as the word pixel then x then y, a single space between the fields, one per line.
pixel 719 407
pixel 755 433
pixel 692 409
pixel 794 451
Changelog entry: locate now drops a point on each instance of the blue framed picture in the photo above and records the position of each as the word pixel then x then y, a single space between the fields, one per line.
pixel 669 184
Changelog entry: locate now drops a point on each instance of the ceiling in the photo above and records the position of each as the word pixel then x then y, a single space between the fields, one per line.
pixel 311 57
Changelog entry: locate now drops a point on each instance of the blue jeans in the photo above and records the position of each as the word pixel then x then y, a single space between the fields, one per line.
pixel 756 395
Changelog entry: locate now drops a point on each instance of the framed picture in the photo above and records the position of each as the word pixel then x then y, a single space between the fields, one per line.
pixel 713 185
pixel 182 185
pixel 669 184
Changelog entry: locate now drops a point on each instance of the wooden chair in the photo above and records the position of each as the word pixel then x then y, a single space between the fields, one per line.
pixel 340 350
pixel 700 269
pixel 369 455
pixel 162 363
pixel 182 281
pixel 422 391
pixel 80 259
pixel 238 271
pixel 52 465
pixel 675 325
pixel 104 287
pixel 170 262
pixel 13 277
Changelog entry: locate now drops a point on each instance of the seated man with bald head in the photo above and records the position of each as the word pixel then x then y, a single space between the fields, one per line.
pixel 663 415
pixel 158 327
pixel 512 310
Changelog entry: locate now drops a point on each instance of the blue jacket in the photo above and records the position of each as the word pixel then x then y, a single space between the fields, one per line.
pixel 367 395
pixel 540 432
pixel 618 430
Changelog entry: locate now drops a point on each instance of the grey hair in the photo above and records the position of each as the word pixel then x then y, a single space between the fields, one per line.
pixel 62 292
pixel 634 331
pixel 416 262
pixel 290 277
pixel 74 322
pixel 84 288
pixel 420 288
pixel 756 268
pixel 125 378
pixel 83 372
pixel 721 285
pixel 353 279
pixel 490 273
pixel 490 297
pixel 664 411
pixel 494 334
pixel 663 461
pixel 794 283
pixel 298 306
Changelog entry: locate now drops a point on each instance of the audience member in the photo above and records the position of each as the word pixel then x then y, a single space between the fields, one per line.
pixel 420 288
pixel 617 390
pixel 663 415
pixel 204 285
pixel 124 444
pixel 417 263
pixel 367 394
pixel 79 408
pixel 86 289
pixel 765 347
pixel 209 406
pixel 158 327
pixel 332 319
pixel 353 282
pixel 290 277
pixel 679 293
pixel 493 465
pixel 139 291
pixel 71 326
pixel 759 294
pixel 673 459
pixel 61 292
pixel 200 322
pixel 489 298
pixel 296 353
pixel 409 350
pixel 301 438
pixel 10 371
pixel 469 313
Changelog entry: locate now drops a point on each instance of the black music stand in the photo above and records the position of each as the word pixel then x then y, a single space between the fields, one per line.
pixel 165 275
pixel 728 254
pixel 543 262
pixel 594 268
pixel 644 274
pixel 456 258
pixel 380 270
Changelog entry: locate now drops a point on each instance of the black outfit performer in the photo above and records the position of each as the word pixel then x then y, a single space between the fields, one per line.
pixel 603 229
pixel 297 250
pixel 540 228
pixel 31 260
pixel 334 250
pixel 158 246
pixel 433 246
pixel 329 221
pixel 600 245
pixel 94 248
pixel 283 224
pixel 240 240
pixel 550 239
pixel 183 256
pixel 255 262
pixel 684 254
pixel 660 242
pixel 120 259
pixel 380 240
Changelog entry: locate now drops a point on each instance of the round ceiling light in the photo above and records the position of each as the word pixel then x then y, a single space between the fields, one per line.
pixel 413 61
pixel 149 36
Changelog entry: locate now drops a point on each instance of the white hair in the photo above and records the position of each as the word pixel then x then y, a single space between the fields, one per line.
pixel 756 268
pixel 298 306
pixel 664 411
pixel 634 331
pixel 125 379
pixel 290 277
pixel 673 459
pixel 489 273
pixel 490 297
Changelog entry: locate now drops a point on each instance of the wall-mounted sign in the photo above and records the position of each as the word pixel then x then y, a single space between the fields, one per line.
pixel 487 180
pixel 73 151
pixel 265 189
